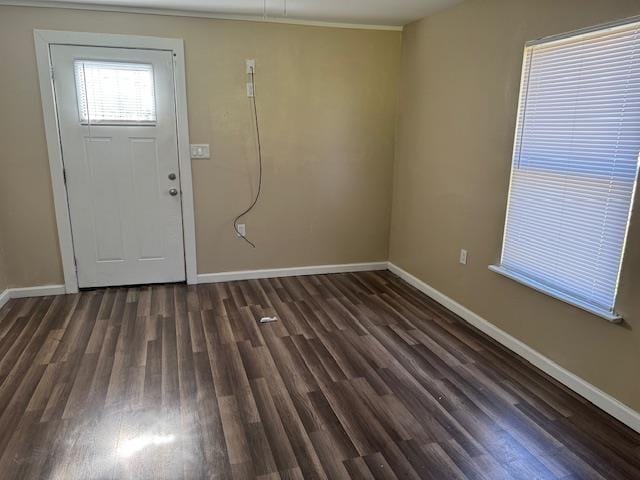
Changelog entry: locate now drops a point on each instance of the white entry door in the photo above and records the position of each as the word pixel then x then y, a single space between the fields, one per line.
pixel 117 117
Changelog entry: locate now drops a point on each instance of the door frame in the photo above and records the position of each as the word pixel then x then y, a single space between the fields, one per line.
pixel 43 40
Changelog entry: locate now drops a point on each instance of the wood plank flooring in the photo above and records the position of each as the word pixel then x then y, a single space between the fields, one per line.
pixel 361 377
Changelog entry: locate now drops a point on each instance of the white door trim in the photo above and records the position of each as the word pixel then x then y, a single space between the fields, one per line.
pixel 45 38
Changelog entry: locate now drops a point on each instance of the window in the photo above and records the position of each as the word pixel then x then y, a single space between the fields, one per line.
pixel 575 166
pixel 115 93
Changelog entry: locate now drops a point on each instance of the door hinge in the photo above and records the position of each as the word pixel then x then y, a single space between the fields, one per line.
pixel 53 76
pixel 64 176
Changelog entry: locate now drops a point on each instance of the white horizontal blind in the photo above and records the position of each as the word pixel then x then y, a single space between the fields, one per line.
pixel 575 164
pixel 114 92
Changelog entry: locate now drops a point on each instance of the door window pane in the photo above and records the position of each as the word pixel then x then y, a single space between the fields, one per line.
pixel 115 92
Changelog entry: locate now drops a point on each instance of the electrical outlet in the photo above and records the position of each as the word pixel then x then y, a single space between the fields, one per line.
pixel 250 92
pixel 251 66
pixel 463 256
pixel 242 230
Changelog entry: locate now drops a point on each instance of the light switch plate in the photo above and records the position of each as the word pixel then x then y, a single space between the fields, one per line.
pixel 200 151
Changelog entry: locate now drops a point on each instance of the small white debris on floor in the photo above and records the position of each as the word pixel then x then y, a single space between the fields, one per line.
pixel 268 319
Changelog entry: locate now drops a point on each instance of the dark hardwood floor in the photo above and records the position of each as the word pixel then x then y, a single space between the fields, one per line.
pixel 361 377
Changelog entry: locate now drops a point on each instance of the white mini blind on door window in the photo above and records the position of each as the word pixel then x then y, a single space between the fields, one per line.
pixel 115 92
pixel 575 166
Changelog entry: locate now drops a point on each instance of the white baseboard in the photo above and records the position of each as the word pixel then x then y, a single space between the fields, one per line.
pixel 603 400
pixel 290 272
pixel 5 296
pixel 28 292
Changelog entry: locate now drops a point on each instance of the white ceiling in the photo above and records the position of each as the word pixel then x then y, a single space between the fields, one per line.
pixel 372 12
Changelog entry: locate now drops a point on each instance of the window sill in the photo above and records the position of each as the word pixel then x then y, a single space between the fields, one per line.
pixel 607 315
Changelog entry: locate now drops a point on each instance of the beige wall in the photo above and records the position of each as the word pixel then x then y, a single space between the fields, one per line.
pixel 459 90
pixel 327 100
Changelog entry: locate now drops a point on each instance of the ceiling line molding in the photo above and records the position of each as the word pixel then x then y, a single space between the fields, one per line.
pixel 197 14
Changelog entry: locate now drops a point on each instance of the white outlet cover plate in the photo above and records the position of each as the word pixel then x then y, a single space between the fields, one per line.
pixel 200 151
pixel 251 64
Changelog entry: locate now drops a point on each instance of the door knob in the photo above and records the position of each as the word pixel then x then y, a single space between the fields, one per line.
pixel 172 176
pixel 173 192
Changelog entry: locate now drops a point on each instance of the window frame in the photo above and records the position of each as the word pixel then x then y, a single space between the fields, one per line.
pixel 611 316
